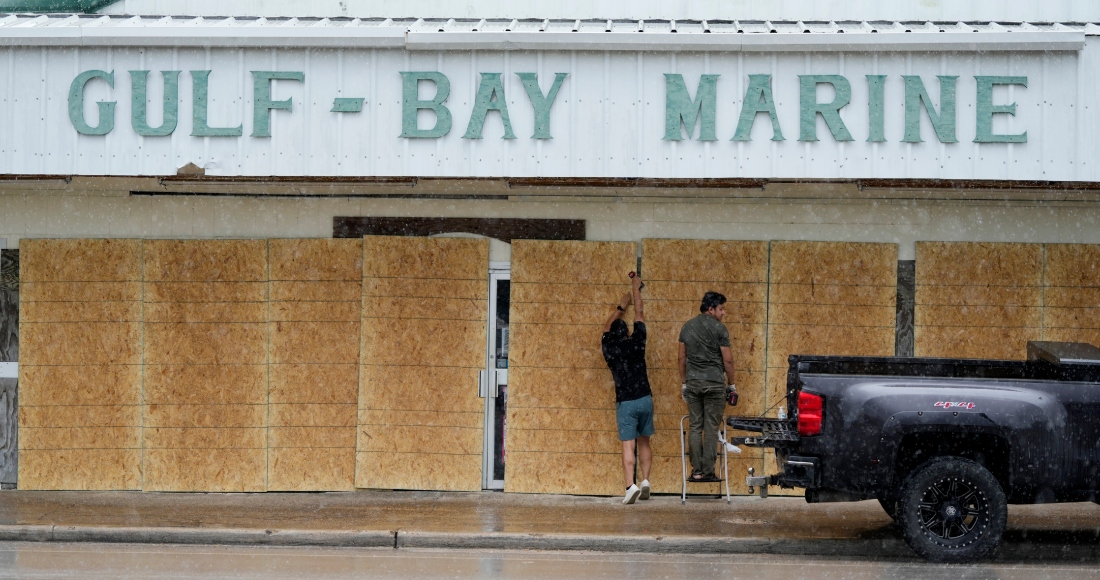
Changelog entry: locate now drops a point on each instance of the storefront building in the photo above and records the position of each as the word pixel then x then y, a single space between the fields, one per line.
pixel 336 251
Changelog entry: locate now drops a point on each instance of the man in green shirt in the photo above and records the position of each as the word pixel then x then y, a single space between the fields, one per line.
pixel 706 367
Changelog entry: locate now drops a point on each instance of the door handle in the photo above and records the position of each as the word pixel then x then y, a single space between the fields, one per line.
pixel 500 377
pixel 482 384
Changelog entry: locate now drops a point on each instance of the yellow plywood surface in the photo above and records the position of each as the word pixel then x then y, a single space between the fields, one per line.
pixel 314 351
pixel 311 469
pixel 80 356
pixel 561 293
pixel 79 260
pixel 206 260
pixel 418 470
pixel 424 304
pixel 80 469
pixel 978 300
pixel 425 258
pixel 206 354
pixel 218 292
pixel 316 259
pixel 1071 292
pixel 208 470
pixel 832 298
pixel 678 273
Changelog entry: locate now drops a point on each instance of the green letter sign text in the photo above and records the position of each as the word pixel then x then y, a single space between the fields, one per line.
pixel 758 99
pixel 810 108
pixel 262 105
pixel 76 104
pixel 490 97
pixel 200 127
pixel 679 106
pixel 986 110
pixel 943 123
pixel 139 117
pixel 541 103
pixel 411 104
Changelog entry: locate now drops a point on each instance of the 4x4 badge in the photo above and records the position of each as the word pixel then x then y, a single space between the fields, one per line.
pixel 954 405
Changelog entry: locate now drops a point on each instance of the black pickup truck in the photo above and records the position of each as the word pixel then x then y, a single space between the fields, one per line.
pixel 943 444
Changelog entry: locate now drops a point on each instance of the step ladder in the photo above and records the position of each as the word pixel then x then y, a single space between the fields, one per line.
pixel 722 452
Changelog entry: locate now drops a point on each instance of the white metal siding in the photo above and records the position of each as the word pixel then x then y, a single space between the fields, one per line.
pixel 947 10
pixel 608 120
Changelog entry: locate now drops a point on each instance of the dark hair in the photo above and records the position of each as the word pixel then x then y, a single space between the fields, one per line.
pixel 711 299
pixel 618 329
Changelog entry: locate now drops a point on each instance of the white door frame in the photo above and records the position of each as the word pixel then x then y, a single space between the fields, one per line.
pixel 497 271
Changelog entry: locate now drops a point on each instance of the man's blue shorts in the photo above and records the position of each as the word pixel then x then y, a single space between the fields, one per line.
pixel 635 418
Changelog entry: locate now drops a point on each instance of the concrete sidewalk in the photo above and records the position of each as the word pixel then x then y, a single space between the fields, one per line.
pixel 489 520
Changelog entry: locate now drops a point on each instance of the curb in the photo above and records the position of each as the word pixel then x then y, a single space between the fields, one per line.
pixel 882 548
pixel 651 544
pixel 229 536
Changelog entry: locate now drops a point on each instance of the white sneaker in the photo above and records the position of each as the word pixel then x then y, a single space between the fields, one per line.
pixel 645 489
pixel 632 493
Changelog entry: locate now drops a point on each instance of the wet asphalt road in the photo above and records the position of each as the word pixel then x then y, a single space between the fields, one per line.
pixel 127 561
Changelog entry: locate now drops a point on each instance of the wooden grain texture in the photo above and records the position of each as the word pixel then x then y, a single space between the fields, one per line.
pixel 314 354
pixel 678 273
pixel 835 298
pixel 556 368
pixel 206 356
pixel 423 325
pixel 978 300
pixel 80 380
pixel 1071 292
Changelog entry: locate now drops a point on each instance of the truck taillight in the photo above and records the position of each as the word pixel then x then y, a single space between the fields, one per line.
pixel 811 412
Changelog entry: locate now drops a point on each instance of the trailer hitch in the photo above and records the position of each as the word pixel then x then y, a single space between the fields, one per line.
pixel 754 481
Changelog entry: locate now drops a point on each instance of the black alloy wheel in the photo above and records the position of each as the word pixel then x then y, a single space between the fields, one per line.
pixel 952 510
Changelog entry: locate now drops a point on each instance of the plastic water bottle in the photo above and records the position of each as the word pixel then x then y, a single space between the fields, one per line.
pixel 782 413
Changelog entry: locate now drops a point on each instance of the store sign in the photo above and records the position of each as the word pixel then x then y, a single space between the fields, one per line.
pixel 686 117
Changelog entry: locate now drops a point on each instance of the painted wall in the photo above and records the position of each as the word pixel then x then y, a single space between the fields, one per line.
pixel 610 118
pixel 30 214
pixel 714 9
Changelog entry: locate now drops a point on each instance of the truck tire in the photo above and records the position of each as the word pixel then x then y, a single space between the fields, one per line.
pixel 952 510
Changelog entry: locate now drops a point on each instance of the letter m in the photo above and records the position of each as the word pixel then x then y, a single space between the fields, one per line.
pixel 679 107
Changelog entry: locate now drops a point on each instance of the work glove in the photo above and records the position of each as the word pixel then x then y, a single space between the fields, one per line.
pixel 684 392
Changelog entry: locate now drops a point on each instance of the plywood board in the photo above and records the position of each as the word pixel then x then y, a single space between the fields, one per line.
pixel 424 309
pixel 206 470
pixel 315 318
pixel 314 469
pixel 315 342
pixel 425 258
pixel 205 260
pixel 79 260
pixel 419 470
pixel 316 259
pixel 564 473
pixel 979 263
pixel 203 344
pixel 314 383
pixel 85 343
pixel 978 300
pixel 829 298
pixel 79 292
pixel 80 382
pixel 678 273
pixel 561 294
pixel 80 469
pixel 206 354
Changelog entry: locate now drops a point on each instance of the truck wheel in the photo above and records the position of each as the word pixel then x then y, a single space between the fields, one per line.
pixel 952 510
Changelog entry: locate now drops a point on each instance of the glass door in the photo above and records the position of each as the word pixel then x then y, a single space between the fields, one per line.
pixel 494 379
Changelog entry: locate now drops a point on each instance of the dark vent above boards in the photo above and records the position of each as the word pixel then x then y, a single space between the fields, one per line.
pixel 504 229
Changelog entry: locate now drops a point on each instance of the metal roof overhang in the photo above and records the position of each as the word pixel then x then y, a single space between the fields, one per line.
pixel 73 31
